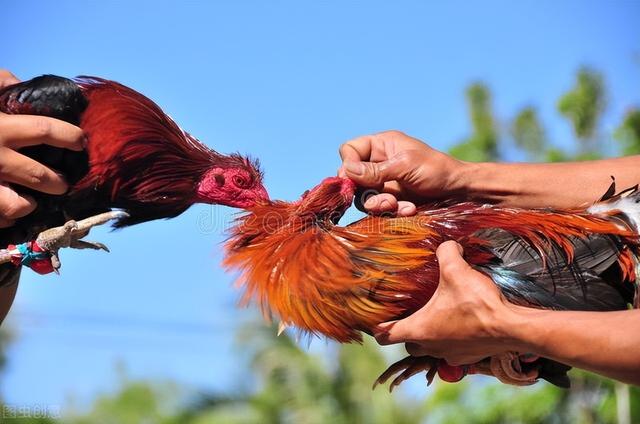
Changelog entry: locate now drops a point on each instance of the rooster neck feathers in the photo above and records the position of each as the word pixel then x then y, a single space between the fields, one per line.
pixel 140 159
pixel 137 158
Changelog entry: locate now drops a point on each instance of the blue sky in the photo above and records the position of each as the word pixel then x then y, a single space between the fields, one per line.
pixel 286 82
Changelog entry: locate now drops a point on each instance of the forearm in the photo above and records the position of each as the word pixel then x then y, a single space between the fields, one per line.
pixel 8 287
pixel 557 185
pixel 607 343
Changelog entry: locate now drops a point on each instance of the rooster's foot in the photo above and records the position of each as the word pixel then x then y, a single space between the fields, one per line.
pixel 407 368
pixel 71 233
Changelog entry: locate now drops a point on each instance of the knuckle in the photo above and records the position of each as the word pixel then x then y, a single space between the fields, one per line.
pixel 392 133
pixel 449 270
pixel 374 172
pixel 37 175
pixel 42 127
pixel 404 158
pixel 342 147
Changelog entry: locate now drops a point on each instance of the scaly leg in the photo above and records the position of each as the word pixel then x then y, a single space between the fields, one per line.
pixel 71 233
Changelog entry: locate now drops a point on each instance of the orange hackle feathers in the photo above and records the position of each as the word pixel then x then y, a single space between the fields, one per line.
pixel 337 281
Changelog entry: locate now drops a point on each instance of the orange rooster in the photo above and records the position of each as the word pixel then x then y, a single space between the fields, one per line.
pixel 325 279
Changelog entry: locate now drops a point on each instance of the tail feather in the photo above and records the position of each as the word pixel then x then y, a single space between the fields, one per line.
pixel 624 205
pixel 558 281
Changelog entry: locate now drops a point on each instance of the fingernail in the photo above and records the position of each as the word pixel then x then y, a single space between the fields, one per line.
pixel 354 168
pixel 370 203
pixel 460 248
pixel 85 142
pixel 405 210
pixel 29 199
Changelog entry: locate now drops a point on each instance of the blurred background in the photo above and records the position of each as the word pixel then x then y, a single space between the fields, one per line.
pixel 150 333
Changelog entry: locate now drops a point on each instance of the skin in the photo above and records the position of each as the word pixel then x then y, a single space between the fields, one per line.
pixel 18 131
pixel 408 172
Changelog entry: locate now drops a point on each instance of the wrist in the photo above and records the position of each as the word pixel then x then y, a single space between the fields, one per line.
pixel 521 330
pixel 485 182
pixel 460 178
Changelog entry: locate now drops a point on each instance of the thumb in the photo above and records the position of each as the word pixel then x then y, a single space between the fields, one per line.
pixel 391 332
pixel 452 264
pixel 375 174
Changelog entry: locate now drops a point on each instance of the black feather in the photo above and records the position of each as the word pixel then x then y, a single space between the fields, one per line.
pixel 585 283
pixel 59 98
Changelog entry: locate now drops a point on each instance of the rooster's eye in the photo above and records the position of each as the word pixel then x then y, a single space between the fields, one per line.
pixel 240 182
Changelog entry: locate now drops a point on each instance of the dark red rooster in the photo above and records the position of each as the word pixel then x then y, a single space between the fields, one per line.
pixel 137 159
pixel 299 265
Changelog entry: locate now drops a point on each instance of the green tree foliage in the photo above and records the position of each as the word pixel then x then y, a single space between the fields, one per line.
pixel 528 133
pixel 583 105
pixel 136 402
pixel 482 144
pixel 628 134
pixel 296 386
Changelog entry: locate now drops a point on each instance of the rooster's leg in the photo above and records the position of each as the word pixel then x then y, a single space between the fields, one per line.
pixel 507 368
pixel 71 233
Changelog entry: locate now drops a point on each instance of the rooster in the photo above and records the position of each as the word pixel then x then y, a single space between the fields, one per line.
pixel 296 263
pixel 137 160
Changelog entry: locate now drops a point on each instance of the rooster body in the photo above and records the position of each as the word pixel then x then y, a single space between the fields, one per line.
pixel 297 264
pixel 137 158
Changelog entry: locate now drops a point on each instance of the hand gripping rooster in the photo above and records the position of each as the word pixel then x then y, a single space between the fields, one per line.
pixel 137 160
pixel 296 263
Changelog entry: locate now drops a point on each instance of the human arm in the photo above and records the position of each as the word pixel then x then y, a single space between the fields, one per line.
pixel 486 324
pixel 409 172
pixel 7 294
pixel 16 170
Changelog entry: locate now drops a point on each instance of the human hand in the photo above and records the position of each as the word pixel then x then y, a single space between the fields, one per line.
pixel 403 169
pixel 465 321
pixel 17 131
